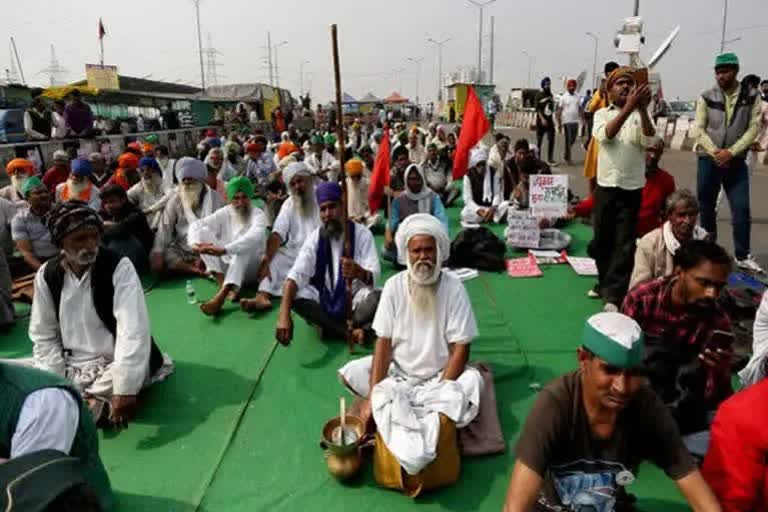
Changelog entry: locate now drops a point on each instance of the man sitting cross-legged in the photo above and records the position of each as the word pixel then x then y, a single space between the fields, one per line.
pixel 89 320
pixel 589 430
pixel 150 194
pixel 316 286
pixel 424 325
pixel 297 219
pixel 231 242
pixel 193 201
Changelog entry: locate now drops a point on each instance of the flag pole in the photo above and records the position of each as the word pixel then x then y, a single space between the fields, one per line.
pixel 343 174
pixel 101 47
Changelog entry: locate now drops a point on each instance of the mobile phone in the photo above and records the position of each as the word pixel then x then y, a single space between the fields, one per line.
pixel 641 77
pixel 722 340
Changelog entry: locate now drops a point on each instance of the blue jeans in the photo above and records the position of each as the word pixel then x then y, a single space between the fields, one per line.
pixel 735 181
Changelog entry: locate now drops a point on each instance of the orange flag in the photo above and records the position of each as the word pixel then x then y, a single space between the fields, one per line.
pixel 473 128
pixel 380 175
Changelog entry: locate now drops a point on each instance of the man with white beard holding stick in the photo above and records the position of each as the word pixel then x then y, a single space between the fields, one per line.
pixel 424 325
pixel 298 217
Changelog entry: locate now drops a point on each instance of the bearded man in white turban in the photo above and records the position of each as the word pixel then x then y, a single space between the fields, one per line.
pixel 298 218
pixel 419 370
pixel 194 200
pixel 483 191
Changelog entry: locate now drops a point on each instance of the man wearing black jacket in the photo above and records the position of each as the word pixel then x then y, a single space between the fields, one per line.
pixel 126 230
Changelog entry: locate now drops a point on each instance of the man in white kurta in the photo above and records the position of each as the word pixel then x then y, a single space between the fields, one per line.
pixel 298 217
pixel 424 325
pixel 79 185
pixel 316 284
pixel 320 162
pixel 151 194
pixel 483 191
pixel 75 343
pixel 231 242
pixel 19 170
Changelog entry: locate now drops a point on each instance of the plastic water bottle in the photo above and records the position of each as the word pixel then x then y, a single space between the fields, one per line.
pixel 191 295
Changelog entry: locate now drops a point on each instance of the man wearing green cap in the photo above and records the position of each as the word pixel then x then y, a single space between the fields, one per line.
pixel 589 430
pixel 231 242
pixel 28 229
pixel 727 123
pixel 320 162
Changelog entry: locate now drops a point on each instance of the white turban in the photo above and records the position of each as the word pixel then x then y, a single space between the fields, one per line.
pixel 295 169
pixel 422 224
pixel 478 155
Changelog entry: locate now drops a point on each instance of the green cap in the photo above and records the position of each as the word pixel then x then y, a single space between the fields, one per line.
pixel 152 138
pixel 615 338
pixel 239 184
pixel 727 59
pixel 317 139
pixel 30 184
pixel 330 139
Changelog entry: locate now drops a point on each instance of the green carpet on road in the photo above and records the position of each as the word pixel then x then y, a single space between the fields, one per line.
pixel 237 427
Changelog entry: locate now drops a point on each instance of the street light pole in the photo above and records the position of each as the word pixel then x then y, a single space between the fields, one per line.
pixel 481 6
pixel 439 45
pixel 594 61
pixel 418 74
pixel 277 69
pixel 530 61
pixel 725 23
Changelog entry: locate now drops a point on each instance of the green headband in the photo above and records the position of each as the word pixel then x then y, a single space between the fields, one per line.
pixel 610 351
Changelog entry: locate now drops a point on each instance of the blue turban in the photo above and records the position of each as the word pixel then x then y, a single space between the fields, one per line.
pixel 150 162
pixel 545 81
pixel 81 167
pixel 328 191
pixel 191 168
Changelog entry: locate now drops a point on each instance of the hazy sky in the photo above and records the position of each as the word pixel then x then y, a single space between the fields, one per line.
pixel 158 38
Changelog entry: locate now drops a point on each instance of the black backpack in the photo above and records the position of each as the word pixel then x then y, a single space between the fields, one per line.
pixel 103 294
pixel 478 248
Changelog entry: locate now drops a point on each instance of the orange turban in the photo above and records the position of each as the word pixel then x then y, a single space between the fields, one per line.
pixel 128 161
pixel 354 167
pixel 286 148
pixel 147 147
pixel 20 163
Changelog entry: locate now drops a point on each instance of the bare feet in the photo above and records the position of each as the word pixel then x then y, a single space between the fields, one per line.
pixel 211 308
pixel 234 296
pixel 358 336
pixel 261 302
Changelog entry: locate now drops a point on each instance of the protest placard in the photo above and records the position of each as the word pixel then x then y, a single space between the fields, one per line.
pixel 523 230
pixel 583 266
pixel 549 195
pixel 523 267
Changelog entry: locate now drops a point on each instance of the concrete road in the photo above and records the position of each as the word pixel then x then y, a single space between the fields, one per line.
pixel 682 165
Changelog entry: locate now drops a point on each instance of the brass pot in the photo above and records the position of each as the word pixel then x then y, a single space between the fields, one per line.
pixel 344 461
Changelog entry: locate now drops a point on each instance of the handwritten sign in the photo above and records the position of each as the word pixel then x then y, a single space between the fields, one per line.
pixel 549 195
pixel 523 230
pixel 523 267
pixel 583 266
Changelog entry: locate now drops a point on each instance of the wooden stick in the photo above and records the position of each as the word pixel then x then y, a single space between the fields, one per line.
pixel 343 416
pixel 343 173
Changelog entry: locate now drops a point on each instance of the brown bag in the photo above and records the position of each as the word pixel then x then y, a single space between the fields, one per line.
pixel 441 472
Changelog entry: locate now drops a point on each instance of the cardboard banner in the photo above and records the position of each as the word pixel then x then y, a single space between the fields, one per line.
pixel 523 230
pixel 549 195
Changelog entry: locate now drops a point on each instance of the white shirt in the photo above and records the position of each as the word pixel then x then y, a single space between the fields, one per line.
pixel 223 225
pixel 30 130
pixel 253 117
pixel 152 204
pixel 58 126
pixel 304 267
pixel 167 168
pixel 293 228
pixel 322 163
pixel 79 335
pixel 569 108
pixel 416 154
pixel 419 344
pixel 620 160
pixel 48 421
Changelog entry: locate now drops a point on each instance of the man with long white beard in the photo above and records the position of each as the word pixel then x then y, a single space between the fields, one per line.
pixel 150 194
pixel 419 370
pixel 231 242
pixel 18 169
pixel 89 321
pixel 316 286
pixel 79 186
pixel 358 208
pixel 193 201
pixel 298 217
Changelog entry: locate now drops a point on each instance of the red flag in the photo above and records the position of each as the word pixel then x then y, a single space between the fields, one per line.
pixel 102 32
pixel 380 175
pixel 473 128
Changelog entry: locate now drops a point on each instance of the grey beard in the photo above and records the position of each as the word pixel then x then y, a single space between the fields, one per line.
pixel 304 204
pixel 76 188
pixel 83 257
pixel 17 182
pixel 243 215
pixel 152 186
pixel 190 196
pixel 331 229
pixel 423 296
